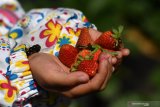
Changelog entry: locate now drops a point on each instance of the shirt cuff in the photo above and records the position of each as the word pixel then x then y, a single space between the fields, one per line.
pixel 20 75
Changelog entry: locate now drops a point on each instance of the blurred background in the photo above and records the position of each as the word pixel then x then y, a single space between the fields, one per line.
pixel 138 77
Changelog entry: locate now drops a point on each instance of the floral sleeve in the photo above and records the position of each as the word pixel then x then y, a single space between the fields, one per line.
pixel 49 28
pixel 10 12
pixel 15 74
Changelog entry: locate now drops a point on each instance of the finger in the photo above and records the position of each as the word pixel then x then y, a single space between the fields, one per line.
pixel 119 56
pixel 69 79
pixel 107 79
pixel 108 70
pixel 125 52
pixel 103 70
pixel 114 60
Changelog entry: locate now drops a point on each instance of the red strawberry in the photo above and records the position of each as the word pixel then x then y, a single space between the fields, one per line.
pixel 96 54
pixel 83 53
pixel 88 66
pixel 67 55
pixel 110 39
pixel 87 58
pixel 84 38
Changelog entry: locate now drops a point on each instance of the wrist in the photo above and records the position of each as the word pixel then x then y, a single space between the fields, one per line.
pixel 33 56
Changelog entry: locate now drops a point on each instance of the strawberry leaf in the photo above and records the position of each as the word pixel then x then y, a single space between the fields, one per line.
pixel 87 57
pixel 73 69
pixel 117 33
pixel 80 58
pixel 120 29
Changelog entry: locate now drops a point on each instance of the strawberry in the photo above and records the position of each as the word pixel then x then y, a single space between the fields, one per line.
pixel 88 66
pixel 83 53
pixel 96 54
pixel 67 55
pixel 84 38
pixel 87 61
pixel 110 39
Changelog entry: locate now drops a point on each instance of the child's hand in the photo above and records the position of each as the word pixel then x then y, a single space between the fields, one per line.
pixel 53 76
pixel 46 67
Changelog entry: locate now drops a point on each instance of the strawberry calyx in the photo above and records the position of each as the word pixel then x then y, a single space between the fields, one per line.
pixel 92 52
pixel 117 34
pixel 84 54
pixel 96 47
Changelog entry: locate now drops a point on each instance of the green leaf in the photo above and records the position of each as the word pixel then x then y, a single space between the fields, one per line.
pixel 87 57
pixel 80 58
pixel 120 29
pixel 115 31
pixel 114 35
pixel 73 69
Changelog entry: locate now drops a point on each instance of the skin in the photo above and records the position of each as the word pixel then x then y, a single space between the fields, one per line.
pixel 53 76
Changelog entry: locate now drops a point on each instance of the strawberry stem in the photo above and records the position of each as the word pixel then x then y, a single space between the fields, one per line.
pixel 112 53
pixel 96 47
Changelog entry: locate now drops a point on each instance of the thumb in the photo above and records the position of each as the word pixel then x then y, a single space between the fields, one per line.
pixel 70 79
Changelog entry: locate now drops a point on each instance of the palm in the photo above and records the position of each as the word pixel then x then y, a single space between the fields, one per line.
pixel 45 66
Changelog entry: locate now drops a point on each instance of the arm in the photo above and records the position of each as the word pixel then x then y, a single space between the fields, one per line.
pixel 58 78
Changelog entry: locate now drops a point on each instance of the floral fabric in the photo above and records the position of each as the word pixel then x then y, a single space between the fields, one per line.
pixel 50 28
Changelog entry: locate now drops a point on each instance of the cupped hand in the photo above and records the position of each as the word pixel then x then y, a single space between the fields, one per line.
pixel 53 76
